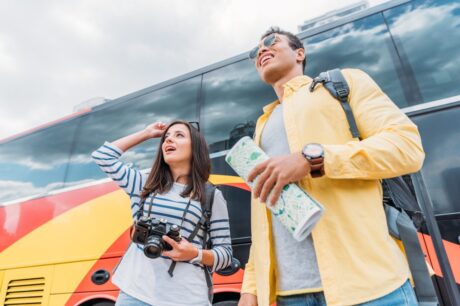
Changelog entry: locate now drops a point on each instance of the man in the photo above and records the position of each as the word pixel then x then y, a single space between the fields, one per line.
pixel 350 258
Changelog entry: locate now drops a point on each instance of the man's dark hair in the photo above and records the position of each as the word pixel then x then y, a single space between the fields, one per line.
pixel 294 41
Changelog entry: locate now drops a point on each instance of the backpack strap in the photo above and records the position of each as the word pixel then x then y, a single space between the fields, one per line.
pixel 210 191
pixel 337 86
pixel 424 290
pixel 205 220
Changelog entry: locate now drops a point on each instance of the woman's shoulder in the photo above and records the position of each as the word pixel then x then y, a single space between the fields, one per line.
pixel 219 199
pixel 218 194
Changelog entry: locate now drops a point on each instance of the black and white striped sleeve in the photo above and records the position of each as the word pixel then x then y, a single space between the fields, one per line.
pixel 219 233
pixel 107 157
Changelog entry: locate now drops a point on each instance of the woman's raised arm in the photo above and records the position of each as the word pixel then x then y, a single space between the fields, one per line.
pixel 154 130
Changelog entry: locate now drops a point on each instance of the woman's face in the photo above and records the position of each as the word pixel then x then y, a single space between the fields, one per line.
pixel 177 146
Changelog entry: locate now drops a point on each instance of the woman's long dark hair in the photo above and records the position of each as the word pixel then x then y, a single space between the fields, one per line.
pixel 160 179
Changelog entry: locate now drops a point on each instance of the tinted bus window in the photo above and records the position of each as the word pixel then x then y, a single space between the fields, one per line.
pixel 363 44
pixel 233 100
pixel 36 163
pixel 441 169
pixel 233 97
pixel 177 101
pixel 427 36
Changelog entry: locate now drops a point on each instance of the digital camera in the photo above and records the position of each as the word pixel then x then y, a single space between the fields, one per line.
pixel 148 231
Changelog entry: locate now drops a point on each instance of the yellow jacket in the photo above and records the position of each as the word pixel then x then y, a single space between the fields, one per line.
pixel 358 260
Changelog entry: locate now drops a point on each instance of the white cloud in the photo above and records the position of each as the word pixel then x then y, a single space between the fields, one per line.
pixel 56 54
pixel 15 190
pixel 34 165
pixel 425 17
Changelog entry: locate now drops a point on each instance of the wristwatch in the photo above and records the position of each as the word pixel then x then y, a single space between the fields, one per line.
pixel 198 258
pixel 314 154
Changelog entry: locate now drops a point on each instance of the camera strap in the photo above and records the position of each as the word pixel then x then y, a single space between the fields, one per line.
pixel 172 266
pixel 140 212
pixel 205 221
pixel 150 204
pixel 185 212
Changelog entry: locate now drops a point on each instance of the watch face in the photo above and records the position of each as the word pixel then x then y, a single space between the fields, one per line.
pixel 313 150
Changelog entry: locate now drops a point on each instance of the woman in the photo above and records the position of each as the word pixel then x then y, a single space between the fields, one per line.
pixel 174 190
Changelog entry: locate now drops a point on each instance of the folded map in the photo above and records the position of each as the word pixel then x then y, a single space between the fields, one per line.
pixel 295 209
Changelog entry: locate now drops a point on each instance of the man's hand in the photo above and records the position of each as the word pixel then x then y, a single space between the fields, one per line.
pixel 181 251
pixel 247 299
pixel 275 173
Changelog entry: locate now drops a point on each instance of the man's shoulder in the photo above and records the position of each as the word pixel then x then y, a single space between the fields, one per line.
pixel 355 76
pixel 353 73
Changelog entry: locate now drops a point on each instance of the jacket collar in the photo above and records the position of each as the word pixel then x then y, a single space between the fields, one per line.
pixel 289 88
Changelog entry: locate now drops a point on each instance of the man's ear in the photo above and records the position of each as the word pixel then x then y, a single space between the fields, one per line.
pixel 300 55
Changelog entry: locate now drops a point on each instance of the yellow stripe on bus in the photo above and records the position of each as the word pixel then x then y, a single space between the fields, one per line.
pixel 225 179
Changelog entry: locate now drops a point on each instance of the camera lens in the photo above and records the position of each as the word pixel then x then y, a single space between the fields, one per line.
pixel 153 247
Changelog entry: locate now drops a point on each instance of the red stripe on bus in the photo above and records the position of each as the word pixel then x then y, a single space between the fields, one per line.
pixel 453 254
pixel 106 262
pixel 239 185
pixel 18 220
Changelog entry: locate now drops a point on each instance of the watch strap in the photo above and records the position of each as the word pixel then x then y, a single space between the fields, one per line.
pixel 198 258
pixel 317 167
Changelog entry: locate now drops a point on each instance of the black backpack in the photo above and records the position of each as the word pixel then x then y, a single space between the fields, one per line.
pixel 397 199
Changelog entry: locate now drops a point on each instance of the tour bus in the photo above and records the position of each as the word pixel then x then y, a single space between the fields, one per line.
pixel 64 225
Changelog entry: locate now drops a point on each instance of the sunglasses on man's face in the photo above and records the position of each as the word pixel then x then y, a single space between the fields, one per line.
pixel 195 125
pixel 267 42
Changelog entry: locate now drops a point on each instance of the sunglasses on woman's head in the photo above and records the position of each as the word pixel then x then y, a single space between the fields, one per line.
pixel 195 125
pixel 267 42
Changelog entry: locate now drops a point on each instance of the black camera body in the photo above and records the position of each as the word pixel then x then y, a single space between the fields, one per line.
pixel 148 231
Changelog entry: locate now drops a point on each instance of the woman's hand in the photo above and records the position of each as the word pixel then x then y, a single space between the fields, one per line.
pixel 181 251
pixel 155 130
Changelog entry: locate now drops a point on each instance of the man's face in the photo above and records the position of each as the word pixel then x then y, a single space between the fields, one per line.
pixel 276 60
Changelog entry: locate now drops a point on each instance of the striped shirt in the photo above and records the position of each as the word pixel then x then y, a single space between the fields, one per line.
pixel 147 279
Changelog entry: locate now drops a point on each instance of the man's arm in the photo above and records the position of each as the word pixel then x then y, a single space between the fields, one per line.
pixel 391 144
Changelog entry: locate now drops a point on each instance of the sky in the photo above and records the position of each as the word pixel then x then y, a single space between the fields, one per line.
pixel 55 55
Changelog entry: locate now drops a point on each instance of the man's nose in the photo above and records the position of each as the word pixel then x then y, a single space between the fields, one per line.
pixel 262 49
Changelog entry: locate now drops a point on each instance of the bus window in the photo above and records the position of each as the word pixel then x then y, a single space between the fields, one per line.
pixel 434 59
pixel 176 101
pixel 441 169
pixel 35 163
pixel 233 98
pixel 363 44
